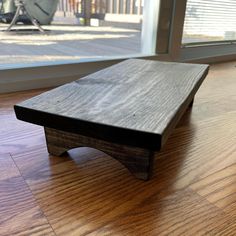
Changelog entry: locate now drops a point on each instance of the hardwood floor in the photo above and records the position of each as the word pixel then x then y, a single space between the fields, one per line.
pixel 192 192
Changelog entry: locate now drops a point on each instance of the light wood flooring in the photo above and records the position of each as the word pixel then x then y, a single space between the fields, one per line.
pixel 192 192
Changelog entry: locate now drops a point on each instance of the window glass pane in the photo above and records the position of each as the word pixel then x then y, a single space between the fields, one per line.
pixel 209 21
pixel 74 30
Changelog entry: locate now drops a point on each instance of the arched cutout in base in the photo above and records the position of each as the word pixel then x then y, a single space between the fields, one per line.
pixel 138 161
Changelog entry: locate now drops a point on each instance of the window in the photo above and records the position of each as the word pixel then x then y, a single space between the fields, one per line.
pixel 209 21
pixel 88 35
pixel 83 37
pixel 81 30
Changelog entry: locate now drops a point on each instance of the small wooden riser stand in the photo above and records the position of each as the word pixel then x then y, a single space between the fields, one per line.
pixel 138 161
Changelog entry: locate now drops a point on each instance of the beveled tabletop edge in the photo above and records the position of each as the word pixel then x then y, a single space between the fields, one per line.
pixel 105 132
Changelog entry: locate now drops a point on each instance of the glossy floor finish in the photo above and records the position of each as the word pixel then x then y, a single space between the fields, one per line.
pixel 192 192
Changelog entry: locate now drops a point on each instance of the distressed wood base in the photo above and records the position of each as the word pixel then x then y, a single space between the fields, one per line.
pixel 191 103
pixel 138 161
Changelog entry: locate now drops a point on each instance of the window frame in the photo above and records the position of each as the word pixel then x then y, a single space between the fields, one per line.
pixel 208 53
pixel 168 47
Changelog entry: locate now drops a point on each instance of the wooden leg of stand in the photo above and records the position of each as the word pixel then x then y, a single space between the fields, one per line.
pixel 138 161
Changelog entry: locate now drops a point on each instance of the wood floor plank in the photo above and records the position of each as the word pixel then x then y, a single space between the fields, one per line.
pixel 7 168
pixel 196 151
pixel 7 101
pixel 216 95
pixel 36 159
pixel 89 186
pixel 17 136
pixel 181 213
pixel 219 188
pixel 20 213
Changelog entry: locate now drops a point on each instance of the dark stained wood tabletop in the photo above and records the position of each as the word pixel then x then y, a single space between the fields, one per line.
pixel 136 102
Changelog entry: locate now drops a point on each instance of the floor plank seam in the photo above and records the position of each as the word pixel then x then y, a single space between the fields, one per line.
pixel 210 203
pixel 33 194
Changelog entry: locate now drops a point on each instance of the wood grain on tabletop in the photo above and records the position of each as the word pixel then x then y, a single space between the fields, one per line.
pixel 138 101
